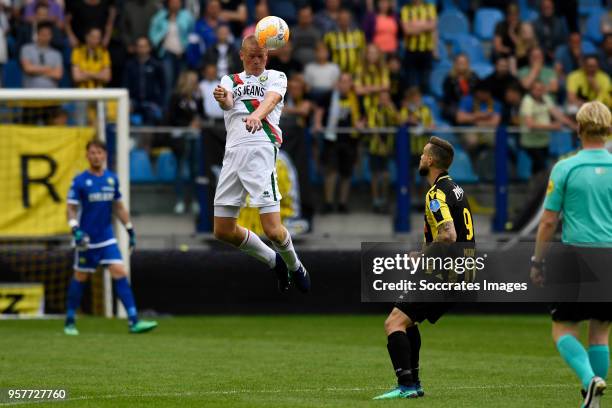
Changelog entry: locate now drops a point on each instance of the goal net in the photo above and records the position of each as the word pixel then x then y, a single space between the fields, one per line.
pixel 43 134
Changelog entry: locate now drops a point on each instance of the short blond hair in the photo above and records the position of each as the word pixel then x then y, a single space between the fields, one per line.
pixel 249 41
pixel 594 119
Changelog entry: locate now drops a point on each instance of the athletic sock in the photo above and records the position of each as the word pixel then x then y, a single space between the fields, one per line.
pixel 414 335
pixel 576 357
pixel 255 247
pixel 287 252
pixel 398 346
pixel 124 291
pixel 599 356
pixel 75 293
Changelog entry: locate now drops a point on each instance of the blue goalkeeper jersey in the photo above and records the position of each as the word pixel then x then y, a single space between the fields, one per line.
pixel 95 196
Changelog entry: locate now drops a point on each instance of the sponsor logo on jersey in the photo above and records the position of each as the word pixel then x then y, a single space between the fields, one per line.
pixel 88 182
pixel 251 90
pixel 458 193
pixel 111 181
pixel 97 197
pixel 434 205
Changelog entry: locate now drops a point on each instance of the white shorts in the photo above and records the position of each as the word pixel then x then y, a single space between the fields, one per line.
pixel 248 168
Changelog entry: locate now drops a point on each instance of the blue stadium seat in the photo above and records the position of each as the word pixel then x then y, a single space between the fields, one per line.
pixel 523 166
pixel 592 29
pixel 561 142
pixel 449 5
pixel 587 7
pixel 588 47
pixel 485 21
pixel 12 74
pixel 141 170
pixel 483 69
pixel 436 79
pixel 166 166
pixel 285 10
pixel 528 14
pixel 461 170
pixel 442 52
pixel 470 46
pixel 433 106
pixel 451 23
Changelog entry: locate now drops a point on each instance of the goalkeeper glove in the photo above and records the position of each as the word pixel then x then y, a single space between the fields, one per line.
pixel 81 239
pixel 132 234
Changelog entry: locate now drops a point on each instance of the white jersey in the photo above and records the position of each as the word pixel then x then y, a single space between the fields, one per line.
pixel 249 91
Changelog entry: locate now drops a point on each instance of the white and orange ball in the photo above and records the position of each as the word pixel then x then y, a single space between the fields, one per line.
pixel 272 32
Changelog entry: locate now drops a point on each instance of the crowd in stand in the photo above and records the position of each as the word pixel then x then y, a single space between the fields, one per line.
pixel 350 63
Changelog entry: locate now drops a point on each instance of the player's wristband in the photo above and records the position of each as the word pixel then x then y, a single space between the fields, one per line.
pixel 537 264
pixel 129 226
pixel 73 223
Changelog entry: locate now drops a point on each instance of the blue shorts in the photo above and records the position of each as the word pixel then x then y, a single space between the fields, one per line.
pixel 89 260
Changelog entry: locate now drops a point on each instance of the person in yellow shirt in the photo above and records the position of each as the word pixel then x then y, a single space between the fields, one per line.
pixel 419 21
pixel 346 44
pixel 589 83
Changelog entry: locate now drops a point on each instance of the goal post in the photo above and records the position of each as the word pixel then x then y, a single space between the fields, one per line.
pixel 15 103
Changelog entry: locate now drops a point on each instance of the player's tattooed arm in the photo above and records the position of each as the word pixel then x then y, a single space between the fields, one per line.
pixel 446 232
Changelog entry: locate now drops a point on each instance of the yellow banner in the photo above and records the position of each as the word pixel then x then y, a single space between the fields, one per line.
pixel 22 299
pixel 37 165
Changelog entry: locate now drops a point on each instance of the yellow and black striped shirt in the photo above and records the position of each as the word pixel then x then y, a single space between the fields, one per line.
pixel 419 12
pixel 421 115
pixel 368 76
pixel 381 144
pixel 346 48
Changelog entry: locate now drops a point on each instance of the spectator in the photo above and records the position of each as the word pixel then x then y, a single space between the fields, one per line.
pixel 224 54
pixel 418 116
pixel 605 54
pixel 283 61
pixel 4 29
pixel 261 11
pixel 42 68
pixel 82 15
pixel 185 110
pixel 479 110
pixel 305 36
pixel 321 77
pixel 511 107
pixel 55 12
pixel 169 33
pixel 134 21
pixel 458 83
pixel 340 149
pixel 568 9
pixel 346 44
pixel 420 28
pixel 527 40
pixel 144 78
pixel 550 29
pixel 204 34
pixel 26 30
pixel 41 64
pixel 235 13
pixel 371 78
pixel 297 107
pixel 538 71
pixel 567 57
pixel 539 116
pixel 382 28
pixel 381 149
pixel 212 111
pixel 326 19
pixel 588 83
pixel 396 83
pixel 91 65
pixel 500 79
pixel 507 33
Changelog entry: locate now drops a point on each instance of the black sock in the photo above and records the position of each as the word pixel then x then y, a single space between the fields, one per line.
pixel 399 351
pixel 414 336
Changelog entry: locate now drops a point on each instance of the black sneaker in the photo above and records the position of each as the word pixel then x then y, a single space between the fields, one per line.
pixel 301 277
pixel 282 274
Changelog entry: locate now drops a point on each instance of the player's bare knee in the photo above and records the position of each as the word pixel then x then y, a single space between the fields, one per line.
pixel 275 233
pixel 117 271
pixel 224 234
pixel 81 276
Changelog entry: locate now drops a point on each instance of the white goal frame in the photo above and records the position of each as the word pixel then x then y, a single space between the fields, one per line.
pixel 121 96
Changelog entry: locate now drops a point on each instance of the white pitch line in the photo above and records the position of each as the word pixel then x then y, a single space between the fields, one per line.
pixel 278 391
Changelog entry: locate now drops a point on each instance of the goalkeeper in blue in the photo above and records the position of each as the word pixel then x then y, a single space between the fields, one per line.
pixel 93 198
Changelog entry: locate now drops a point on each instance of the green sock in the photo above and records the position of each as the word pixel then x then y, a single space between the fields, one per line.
pixel 599 356
pixel 576 357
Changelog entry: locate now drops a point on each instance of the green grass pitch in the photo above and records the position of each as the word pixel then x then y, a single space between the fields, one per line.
pixel 285 361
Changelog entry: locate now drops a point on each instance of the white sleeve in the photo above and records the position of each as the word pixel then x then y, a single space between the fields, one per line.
pixel 278 84
pixel 227 83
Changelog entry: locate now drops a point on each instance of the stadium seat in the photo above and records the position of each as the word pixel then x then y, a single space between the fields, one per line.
pixel 442 52
pixel 433 106
pixel 166 166
pixel 485 21
pixel 436 79
pixel 592 29
pixel 587 7
pixel 452 22
pixel 483 69
pixel 528 14
pixel 523 166
pixel 284 9
pixel 141 170
pixel 561 142
pixel 588 47
pixel 12 74
pixel 470 46
pixel 449 5
pixel 461 170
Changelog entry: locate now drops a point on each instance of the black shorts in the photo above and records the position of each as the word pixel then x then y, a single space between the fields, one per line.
pixel 340 156
pixel 576 312
pixel 418 312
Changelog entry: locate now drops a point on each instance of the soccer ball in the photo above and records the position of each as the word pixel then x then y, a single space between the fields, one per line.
pixel 272 32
